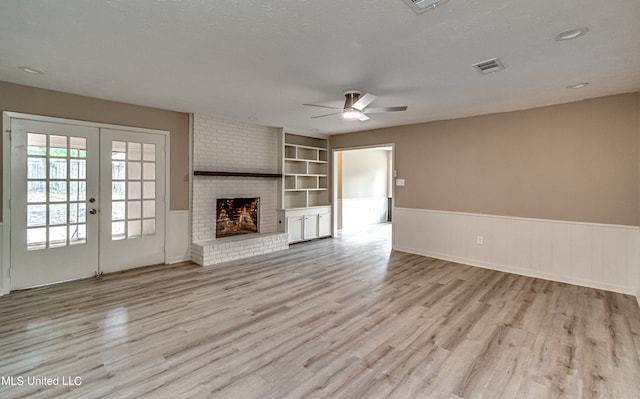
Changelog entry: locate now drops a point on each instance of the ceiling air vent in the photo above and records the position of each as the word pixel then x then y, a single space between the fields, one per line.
pixel 489 66
pixel 420 6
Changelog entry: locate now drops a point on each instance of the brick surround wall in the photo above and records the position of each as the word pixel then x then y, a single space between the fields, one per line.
pixel 225 145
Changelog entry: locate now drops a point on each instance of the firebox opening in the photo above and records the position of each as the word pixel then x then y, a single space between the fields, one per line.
pixel 235 216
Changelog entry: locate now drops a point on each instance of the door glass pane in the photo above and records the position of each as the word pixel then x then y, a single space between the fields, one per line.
pixel 149 227
pixel 36 215
pixel 36 144
pixel 57 236
pixel 58 146
pixel 117 210
pixel 36 191
pixel 118 170
pixel 149 171
pixel 134 229
pixel 133 210
pixel 118 190
pixel 149 152
pixel 77 234
pixel 57 214
pixel 57 168
pixel 82 191
pixel 56 190
pixel 134 170
pixel 78 169
pixel 118 150
pixel 77 144
pixel 133 178
pixel 117 231
pixel 149 189
pixel 134 190
pixel 149 209
pixel 135 151
pixel 73 191
pixel 36 168
pixel 37 238
pixel 77 212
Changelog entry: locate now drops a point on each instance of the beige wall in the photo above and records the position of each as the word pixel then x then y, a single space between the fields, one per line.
pixel 364 173
pixel 577 161
pixel 31 100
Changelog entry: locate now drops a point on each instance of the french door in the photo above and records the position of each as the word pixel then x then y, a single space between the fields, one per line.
pixel 84 200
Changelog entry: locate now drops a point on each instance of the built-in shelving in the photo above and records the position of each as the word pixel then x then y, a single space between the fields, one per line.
pixel 305 213
pixel 305 171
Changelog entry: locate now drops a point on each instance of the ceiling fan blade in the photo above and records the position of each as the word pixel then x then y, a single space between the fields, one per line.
pixel 385 109
pixel 363 101
pixel 322 116
pixel 363 117
pixel 321 106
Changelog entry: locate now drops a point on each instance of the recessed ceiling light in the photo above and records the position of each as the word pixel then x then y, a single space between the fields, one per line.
pixel 571 34
pixel 578 85
pixel 30 70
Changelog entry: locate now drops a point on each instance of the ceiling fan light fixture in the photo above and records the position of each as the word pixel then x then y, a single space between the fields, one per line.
pixel 351 113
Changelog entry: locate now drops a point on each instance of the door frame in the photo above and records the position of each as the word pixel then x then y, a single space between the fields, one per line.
pixel 5 260
pixel 336 172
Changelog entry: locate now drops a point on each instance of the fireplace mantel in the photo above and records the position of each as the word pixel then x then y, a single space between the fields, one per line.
pixel 237 174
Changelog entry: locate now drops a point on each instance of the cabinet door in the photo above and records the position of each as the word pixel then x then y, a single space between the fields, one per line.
pixel 310 227
pixel 324 225
pixel 294 228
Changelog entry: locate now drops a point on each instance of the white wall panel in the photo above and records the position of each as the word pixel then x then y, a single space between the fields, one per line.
pixel 588 254
pixel 178 237
pixel 363 211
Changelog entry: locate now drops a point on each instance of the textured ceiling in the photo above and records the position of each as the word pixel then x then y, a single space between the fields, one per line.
pixel 264 59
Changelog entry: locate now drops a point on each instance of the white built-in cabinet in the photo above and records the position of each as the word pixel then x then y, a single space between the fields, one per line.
pixel 304 210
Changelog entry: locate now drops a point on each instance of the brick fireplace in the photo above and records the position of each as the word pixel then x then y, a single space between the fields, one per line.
pixel 224 145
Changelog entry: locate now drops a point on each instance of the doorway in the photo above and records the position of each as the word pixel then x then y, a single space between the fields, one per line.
pixel 363 190
pixel 83 199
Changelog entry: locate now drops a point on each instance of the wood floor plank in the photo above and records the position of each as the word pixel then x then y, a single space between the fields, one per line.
pixel 339 318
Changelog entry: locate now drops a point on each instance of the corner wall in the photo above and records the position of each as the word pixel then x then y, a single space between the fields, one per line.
pixel 553 191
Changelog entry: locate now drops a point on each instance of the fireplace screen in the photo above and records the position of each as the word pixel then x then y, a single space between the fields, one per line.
pixel 236 216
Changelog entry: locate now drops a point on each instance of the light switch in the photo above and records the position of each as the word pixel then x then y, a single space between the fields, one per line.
pixel 400 182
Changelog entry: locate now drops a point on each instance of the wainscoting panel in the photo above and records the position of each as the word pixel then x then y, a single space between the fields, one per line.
pixel 178 237
pixel 588 254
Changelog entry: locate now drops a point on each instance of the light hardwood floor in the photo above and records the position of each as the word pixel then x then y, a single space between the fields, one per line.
pixel 336 318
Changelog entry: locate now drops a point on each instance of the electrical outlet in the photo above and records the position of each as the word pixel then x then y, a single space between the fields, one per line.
pixel 480 240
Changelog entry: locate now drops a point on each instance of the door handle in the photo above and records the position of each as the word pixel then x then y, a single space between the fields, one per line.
pixel 93 211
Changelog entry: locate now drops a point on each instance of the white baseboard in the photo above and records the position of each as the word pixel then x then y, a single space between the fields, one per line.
pixel 587 254
pixel 178 245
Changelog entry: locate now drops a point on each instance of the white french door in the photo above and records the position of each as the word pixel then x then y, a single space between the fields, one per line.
pixel 84 200
pixel 132 196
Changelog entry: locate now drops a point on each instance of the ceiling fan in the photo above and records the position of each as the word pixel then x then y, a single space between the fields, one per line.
pixel 355 106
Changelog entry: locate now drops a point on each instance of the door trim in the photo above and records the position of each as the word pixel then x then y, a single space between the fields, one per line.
pixel 7 116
